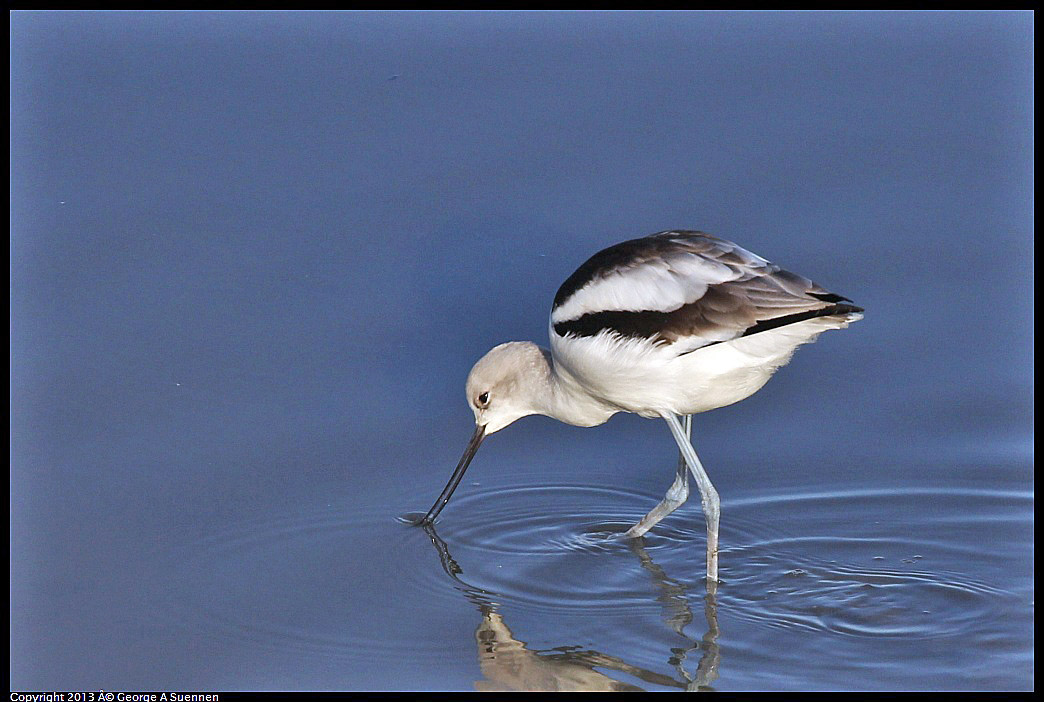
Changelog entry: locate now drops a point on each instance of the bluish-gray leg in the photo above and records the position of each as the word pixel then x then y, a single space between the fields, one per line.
pixel 687 426
pixel 708 495
pixel 676 495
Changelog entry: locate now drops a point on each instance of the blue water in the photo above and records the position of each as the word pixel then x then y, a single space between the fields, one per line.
pixel 255 255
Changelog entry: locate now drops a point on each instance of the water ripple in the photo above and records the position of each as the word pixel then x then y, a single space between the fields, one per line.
pixel 856 564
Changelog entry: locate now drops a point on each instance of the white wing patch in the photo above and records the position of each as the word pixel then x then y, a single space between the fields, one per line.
pixel 661 285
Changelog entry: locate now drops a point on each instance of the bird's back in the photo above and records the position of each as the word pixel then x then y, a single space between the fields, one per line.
pixel 640 320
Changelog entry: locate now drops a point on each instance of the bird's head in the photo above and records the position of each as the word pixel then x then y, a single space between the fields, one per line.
pixel 506 384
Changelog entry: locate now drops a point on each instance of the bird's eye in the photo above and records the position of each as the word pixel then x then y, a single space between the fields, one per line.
pixel 483 399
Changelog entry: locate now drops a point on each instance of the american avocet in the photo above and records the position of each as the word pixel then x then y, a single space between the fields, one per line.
pixel 665 326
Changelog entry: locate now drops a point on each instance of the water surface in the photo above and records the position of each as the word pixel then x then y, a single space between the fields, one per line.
pixel 255 255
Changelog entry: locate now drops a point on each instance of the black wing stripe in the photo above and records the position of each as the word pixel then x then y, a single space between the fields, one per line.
pixel 667 327
pixel 639 325
pixel 776 322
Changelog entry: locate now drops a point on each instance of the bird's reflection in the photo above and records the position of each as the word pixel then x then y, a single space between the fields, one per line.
pixel 508 665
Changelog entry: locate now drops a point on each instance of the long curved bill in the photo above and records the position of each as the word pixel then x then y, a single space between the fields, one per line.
pixel 469 453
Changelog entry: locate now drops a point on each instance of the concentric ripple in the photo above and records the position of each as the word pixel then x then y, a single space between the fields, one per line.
pixel 362 586
pixel 546 547
pixel 870 563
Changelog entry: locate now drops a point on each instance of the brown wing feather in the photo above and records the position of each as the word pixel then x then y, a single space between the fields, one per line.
pixel 759 296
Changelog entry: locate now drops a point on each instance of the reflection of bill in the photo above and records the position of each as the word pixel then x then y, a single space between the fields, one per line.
pixel 508 665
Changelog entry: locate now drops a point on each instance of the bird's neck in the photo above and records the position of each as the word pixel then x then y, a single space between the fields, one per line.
pixel 566 400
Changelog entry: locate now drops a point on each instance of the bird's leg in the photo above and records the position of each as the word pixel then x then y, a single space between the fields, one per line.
pixel 687 426
pixel 676 496
pixel 708 495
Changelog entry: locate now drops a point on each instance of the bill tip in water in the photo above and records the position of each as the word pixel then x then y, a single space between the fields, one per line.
pixel 413 518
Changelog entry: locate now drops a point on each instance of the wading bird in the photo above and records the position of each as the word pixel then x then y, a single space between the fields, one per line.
pixel 664 326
